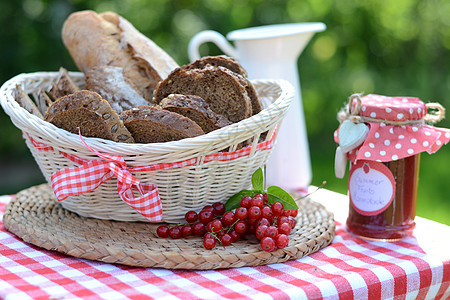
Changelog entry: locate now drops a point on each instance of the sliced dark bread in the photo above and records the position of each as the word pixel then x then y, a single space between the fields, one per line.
pixel 219 87
pixel 63 86
pixel 89 112
pixel 149 124
pixel 196 109
pixel 233 65
pixel 26 102
pixel 111 84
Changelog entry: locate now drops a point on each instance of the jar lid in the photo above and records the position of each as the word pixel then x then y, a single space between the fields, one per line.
pixel 391 108
pixel 396 128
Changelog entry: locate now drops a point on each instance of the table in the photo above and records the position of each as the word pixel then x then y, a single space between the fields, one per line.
pixel 415 268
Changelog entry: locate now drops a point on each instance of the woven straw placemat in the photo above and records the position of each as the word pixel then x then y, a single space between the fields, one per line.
pixel 35 216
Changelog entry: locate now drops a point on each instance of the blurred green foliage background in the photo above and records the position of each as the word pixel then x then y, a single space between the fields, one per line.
pixel 395 48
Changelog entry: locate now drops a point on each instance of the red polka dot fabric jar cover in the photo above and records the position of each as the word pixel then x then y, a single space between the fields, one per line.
pixel 383 138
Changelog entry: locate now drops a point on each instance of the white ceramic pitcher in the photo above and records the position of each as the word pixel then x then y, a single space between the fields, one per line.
pixel 272 52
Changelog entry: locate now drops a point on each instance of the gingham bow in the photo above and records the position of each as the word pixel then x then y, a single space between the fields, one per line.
pixel 92 173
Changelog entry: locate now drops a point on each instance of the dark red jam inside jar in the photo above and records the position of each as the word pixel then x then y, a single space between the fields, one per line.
pixel 397 220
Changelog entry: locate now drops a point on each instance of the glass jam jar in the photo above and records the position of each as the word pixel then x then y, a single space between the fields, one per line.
pixel 383 138
pixel 396 221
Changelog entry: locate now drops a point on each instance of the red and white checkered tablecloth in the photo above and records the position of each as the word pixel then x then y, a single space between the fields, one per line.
pixel 349 268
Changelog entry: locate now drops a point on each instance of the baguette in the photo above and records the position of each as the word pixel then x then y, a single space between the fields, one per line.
pixel 108 39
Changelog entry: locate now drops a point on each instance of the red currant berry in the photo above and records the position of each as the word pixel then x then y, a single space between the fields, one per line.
pixel 208 207
pixel 187 230
pixel 257 200
pixel 261 232
pixel 229 218
pixel 199 228
pixel 282 220
pixel 205 216
pixel 277 208
pixel 271 231
pixel 268 244
pixel 294 213
pixel 282 241
pixel 262 221
pixel 254 212
pixel 191 216
pixel 219 208
pixel 292 222
pixel 226 239
pixel 241 213
pixel 265 198
pixel 286 213
pixel 266 212
pixel 209 243
pixel 252 220
pixel 175 233
pixel 162 231
pixel 245 201
pixel 240 227
pixel 214 226
pixel 234 235
pixel 284 228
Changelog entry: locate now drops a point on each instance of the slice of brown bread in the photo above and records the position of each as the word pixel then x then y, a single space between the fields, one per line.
pixel 63 86
pixel 233 65
pixel 43 101
pixel 114 87
pixel 149 124
pixel 220 60
pixel 26 102
pixel 89 112
pixel 196 109
pixel 218 86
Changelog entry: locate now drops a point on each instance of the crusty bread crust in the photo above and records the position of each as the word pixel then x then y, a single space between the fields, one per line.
pixel 25 101
pixel 149 124
pixel 108 39
pixel 89 112
pixel 111 84
pixel 196 109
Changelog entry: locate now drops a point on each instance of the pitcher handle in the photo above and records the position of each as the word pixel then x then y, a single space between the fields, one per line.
pixel 209 36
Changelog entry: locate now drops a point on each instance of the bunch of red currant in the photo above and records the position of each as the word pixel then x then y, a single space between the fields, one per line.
pixel 271 223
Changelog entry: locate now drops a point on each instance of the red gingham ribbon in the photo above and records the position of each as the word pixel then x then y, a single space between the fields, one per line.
pixel 92 173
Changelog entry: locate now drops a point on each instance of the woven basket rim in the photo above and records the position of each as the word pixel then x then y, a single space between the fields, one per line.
pixel 244 129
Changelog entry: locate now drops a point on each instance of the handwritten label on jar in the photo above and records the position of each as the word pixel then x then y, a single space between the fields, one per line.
pixel 371 187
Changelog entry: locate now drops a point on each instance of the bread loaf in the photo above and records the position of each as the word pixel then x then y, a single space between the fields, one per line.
pixel 232 65
pixel 219 87
pixel 89 112
pixel 149 124
pixel 108 39
pixel 110 83
pixel 196 109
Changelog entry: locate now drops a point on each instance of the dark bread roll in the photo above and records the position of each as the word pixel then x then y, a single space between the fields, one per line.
pixel 149 124
pixel 221 88
pixel 89 112
pixel 233 65
pixel 110 83
pixel 196 109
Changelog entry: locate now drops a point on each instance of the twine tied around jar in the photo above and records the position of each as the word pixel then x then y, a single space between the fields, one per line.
pixel 435 113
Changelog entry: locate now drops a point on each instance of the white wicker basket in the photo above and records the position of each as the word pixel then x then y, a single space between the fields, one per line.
pixel 181 189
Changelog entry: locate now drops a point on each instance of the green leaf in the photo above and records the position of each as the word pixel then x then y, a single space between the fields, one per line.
pixel 277 194
pixel 235 200
pixel 258 180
